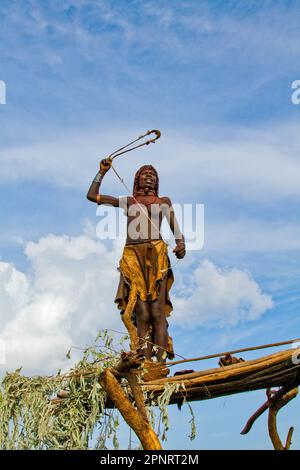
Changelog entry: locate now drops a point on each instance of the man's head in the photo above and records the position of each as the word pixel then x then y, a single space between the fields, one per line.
pixel 146 178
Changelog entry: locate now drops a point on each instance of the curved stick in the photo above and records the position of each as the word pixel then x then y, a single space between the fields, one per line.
pixel 121 150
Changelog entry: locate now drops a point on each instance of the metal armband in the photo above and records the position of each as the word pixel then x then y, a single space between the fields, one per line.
pixel 98 178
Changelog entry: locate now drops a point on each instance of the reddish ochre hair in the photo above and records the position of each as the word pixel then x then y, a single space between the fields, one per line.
pixel 137 178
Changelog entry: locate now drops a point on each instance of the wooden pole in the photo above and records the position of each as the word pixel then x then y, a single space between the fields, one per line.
pixel 136 420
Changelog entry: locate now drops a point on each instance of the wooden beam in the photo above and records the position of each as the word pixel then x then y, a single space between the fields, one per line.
pixel 274 370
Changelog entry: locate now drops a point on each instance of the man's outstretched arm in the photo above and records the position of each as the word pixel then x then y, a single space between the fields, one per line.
pixel 93 192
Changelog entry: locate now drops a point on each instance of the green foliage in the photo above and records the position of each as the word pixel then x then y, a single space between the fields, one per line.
pixel 162 402
pixel 193 434
pixel 32 417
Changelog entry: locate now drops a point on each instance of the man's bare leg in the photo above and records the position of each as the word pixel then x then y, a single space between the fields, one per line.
pixel 158 319
pixel 143 322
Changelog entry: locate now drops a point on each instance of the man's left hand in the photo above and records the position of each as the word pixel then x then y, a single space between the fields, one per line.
pixel 179 250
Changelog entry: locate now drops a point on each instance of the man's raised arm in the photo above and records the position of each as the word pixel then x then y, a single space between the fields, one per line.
pixel 93 192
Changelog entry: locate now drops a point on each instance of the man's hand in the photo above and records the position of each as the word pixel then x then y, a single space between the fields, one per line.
pixel 179 250
pixel 105 165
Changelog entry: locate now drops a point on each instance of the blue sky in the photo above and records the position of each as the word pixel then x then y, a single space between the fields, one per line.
pixel 83 77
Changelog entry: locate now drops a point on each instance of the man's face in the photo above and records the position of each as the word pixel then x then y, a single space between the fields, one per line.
pixel 147 179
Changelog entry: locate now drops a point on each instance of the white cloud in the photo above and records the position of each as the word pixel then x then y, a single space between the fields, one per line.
pixel 258 166
pixel 220 297
pixel 64 302
pixel 69 291
pixel 14 291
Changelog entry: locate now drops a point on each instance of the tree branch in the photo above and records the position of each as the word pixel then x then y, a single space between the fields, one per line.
pixel 133 417
pixel 271 396
pixel 274 407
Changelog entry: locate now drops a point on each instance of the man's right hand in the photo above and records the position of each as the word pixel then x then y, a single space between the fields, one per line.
pixel 105 165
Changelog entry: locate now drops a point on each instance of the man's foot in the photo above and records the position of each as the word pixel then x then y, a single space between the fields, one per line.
pixel 154 370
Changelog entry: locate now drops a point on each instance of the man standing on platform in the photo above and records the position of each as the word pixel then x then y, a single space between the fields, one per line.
pixel 145 272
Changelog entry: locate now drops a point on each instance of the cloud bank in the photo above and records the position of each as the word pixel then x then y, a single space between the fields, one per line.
pixel 259 166
pixel 220 297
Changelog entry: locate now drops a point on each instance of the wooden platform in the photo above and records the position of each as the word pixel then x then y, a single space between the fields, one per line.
pixel 275 370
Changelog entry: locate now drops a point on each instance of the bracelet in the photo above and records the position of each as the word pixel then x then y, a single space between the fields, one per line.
pixel 98 198
pixel 98 178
